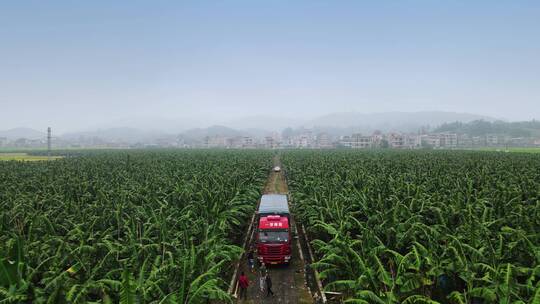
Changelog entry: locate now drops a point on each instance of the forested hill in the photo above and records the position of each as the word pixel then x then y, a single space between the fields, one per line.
pixel 482 127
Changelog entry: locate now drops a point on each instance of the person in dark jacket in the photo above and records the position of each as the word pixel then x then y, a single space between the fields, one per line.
pixel 269 286
pixel 251 261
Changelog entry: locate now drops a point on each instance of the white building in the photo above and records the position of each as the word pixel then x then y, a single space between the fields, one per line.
pixel 248 142
pixel 357 141
pixel 431 140
pixel 492 140
pixel 440 140
pixel 323 141
pixel 448 140
pixel 304 141
pixel 270 142
pixel 413 141
pixel 396 141
pixel 215 141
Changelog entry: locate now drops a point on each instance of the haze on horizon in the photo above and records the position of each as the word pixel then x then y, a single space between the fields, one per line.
pixel 97 63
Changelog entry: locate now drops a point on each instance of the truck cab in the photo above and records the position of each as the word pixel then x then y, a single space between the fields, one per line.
pixel 274 230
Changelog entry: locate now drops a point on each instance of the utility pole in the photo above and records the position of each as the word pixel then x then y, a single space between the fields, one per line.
pixel 49 143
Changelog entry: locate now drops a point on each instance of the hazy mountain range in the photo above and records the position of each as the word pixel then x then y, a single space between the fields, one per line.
pixel 386 121
pixel 23 133
pixel 335 123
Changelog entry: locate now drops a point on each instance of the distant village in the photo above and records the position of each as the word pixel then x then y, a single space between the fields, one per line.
pixel 393 140
pixel 304 140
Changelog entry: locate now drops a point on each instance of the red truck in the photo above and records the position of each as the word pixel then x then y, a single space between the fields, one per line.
pixel 274 230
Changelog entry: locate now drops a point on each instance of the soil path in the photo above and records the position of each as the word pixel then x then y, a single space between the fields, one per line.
pixel 288 281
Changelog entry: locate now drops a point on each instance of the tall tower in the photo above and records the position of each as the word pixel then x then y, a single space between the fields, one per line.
pixel 49 142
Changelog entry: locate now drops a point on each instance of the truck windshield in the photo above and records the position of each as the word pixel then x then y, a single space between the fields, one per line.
pixel 271 236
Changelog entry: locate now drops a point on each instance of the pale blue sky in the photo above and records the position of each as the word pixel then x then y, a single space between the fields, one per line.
pixel 79 64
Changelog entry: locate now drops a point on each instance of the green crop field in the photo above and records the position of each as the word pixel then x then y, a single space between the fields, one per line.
pixel 525 150
pixel 25 157
pixel 420 226
pixel 513 149
pixel 163 226
pixel 129 227
pixel 521 150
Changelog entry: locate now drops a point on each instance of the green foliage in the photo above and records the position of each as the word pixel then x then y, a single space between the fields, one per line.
pixel 421 226
pixel 125 226
pixel 127 291
pixel 482 128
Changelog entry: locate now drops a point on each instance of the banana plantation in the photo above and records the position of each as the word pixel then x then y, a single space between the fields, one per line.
pixel 127 227
pixel 421 226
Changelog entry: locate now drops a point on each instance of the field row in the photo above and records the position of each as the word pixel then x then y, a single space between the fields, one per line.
pixel 422 227
pixel 150 227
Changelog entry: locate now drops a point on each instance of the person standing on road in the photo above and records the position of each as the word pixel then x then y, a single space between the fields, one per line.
pixel 262 269
pixel 262 283
pixel 269 286
pixel 243 282
pixel 251 261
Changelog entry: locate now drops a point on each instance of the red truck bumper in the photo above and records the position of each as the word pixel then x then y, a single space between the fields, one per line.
pixel 274 259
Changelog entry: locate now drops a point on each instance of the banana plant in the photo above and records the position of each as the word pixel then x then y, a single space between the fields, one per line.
pixel 421 226
pixel 126 226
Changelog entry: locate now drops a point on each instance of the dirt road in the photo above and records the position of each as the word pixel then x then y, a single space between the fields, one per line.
pixel 288 281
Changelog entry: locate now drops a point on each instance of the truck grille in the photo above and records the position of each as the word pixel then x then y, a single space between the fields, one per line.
pixel 274 250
